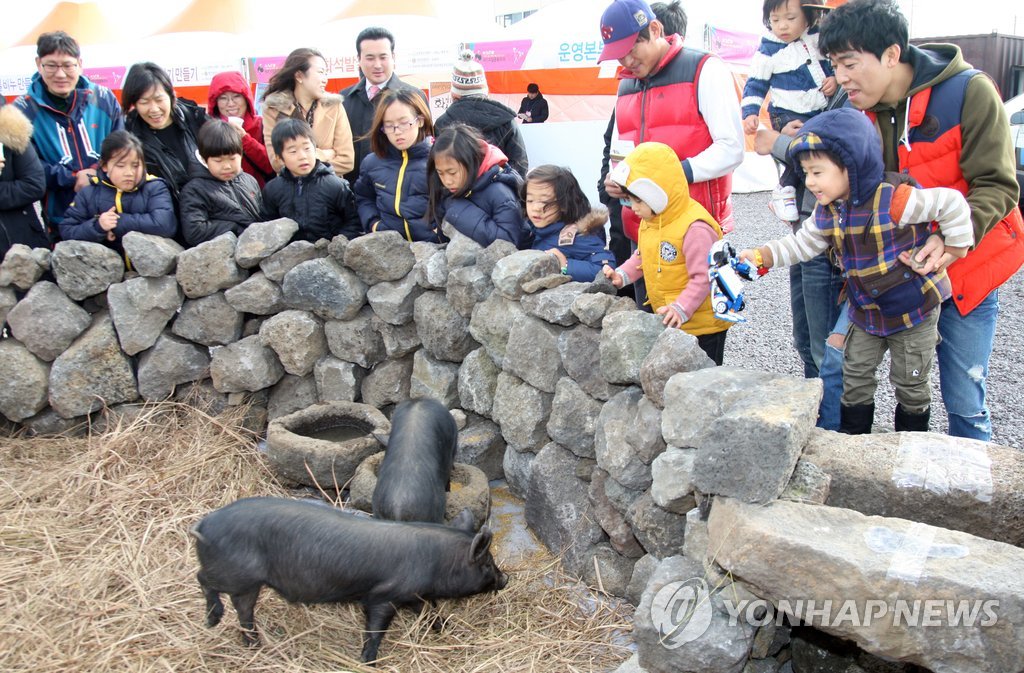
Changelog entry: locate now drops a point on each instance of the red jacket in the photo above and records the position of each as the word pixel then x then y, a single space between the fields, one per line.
pixel 933 159
pixel 663 108
pixel 254 152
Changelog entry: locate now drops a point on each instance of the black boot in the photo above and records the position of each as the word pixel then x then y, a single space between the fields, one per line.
pixel 908 422
pixel 856 419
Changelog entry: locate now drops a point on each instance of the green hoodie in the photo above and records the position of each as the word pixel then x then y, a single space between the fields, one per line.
pixel 986 157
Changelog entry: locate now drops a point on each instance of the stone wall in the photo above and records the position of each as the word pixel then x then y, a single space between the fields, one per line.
pixel 620 435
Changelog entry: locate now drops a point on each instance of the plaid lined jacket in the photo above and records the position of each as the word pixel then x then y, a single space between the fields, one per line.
pixel 886 296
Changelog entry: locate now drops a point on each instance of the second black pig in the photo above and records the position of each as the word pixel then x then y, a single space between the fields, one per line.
pixel 415 475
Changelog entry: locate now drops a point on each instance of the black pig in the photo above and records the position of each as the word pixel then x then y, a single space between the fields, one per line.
pixel 416 471
pixel 313 553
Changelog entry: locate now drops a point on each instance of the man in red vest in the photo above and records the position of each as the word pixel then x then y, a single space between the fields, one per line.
pixel 682 97
pixel 943 123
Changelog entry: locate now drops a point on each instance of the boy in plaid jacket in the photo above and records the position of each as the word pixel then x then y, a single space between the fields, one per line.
pixel 876 229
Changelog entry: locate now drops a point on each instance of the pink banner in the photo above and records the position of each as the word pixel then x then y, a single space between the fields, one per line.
pixel 264 67
pixel 732 46
pixel 498 56
pixel 108 77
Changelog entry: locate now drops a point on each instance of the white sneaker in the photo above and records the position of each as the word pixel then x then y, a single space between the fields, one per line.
pixel 783 204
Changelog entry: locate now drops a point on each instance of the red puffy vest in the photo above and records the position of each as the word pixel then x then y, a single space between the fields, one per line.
pixel 663 108
pixel 934 161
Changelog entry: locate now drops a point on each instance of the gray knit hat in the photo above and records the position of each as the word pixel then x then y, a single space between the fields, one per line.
pixel 468 76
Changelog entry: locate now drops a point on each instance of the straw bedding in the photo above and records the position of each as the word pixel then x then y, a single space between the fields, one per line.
pixel 97 570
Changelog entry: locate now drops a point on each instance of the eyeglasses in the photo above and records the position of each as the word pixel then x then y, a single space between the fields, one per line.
pixel 391 129
pixel 51 68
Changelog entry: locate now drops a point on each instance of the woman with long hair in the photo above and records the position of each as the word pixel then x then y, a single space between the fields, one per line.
pixel 299 91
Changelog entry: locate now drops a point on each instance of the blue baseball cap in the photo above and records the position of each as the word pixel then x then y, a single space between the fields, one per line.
pixel 620 24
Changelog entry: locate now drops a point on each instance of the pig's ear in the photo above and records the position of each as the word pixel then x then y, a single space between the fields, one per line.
pixel 463 521
pixel 481 544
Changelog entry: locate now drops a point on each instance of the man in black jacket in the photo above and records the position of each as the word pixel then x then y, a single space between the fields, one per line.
pixel 534 108
pixel 376 49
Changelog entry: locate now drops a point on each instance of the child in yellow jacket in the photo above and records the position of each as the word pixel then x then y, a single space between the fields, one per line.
pixel 676 234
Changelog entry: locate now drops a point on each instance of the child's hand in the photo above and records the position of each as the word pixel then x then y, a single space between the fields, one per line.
pixel 747 256
pixel 557 254
pixel 671 318
pixel 611 275
pixel 828 87
pixel 108 220
pixel 750 124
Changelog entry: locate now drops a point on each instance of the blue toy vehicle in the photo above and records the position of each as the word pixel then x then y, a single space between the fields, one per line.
pixel 726 272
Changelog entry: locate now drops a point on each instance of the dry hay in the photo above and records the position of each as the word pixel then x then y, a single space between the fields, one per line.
pixel 97 570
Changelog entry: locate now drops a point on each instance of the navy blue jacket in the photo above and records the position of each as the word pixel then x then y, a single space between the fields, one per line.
pixel 382 207
pixel 491 209
pixel 582 243
pixel 360 111
pixel 148 209
pixel 320 202
pixel 495 121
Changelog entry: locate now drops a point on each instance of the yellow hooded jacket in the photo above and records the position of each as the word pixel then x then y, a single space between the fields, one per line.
pixel 654 174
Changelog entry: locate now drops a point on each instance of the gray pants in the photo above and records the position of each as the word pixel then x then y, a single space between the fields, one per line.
pixel 912 352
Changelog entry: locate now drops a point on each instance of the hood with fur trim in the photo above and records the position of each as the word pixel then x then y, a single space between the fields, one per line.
pixel 592 222
pixel 850 135
pixel 15 128
pixel 284 101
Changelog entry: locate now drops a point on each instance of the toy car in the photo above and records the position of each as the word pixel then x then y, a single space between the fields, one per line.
pixel 726 273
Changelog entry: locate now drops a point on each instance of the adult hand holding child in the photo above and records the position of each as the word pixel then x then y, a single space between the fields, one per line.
pixel 932 257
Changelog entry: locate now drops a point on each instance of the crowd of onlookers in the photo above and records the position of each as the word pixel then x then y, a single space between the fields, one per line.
pixel 860 121
pixel 347 163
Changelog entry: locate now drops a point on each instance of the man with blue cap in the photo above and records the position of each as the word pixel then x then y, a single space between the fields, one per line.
pixel 682 97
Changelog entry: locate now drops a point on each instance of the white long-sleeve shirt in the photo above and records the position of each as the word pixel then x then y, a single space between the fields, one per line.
pixel 946 206
pixel 718 104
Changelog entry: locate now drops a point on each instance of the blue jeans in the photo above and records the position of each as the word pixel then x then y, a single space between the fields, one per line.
pixel 814 288
pixel 964 352
pixel 831 375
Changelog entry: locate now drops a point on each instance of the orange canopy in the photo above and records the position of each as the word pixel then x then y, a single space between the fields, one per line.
pixel 220 16
pixel 372 7
pixel 84 21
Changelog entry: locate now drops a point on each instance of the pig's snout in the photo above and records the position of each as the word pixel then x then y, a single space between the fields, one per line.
pixel 501 581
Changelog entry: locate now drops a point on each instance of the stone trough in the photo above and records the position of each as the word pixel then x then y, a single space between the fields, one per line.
pixel 469 490
pixel 323 444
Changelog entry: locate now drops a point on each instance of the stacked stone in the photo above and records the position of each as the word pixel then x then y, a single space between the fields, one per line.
pixel 641 464
pixel 788 514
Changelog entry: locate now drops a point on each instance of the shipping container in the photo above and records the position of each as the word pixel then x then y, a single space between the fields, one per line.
pixel 1001 56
